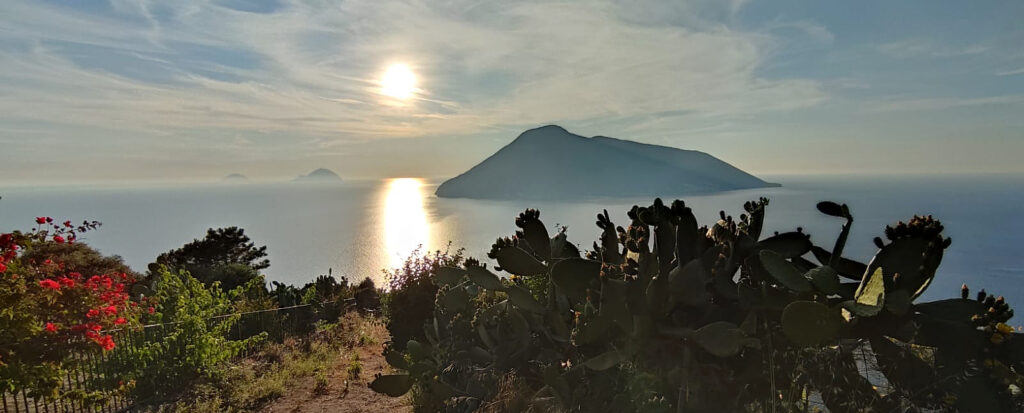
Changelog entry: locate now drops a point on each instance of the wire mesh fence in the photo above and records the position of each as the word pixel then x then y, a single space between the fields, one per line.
pixel 93 373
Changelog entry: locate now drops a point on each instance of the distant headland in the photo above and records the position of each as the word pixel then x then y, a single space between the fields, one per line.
pixel 552 163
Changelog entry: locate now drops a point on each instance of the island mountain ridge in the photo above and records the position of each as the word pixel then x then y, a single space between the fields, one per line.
pixel 319 175
pixel 551 163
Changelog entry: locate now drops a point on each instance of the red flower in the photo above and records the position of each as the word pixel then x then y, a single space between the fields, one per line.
pixel 67 281
pixel 51 328
pixel 3 268
pixel 110 310
pixel 59 239
pixel 107 342
pixel 75 275
pixel 92 313
pixel 49 220
pixel 67 224
pixel 48 283
pixel 119 321
pixel 40 220
pixel 150 310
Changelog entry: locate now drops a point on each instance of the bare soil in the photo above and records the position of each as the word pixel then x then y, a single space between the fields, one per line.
pixel 343 392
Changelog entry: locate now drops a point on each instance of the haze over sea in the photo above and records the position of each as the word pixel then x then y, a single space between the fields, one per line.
pixel 357 228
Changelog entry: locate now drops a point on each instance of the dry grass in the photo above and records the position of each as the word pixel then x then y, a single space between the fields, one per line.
pixel 318 373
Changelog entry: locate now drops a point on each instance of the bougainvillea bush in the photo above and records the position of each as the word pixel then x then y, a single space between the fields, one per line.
pixel 50 309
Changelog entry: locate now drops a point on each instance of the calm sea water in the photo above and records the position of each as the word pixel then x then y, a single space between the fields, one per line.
pixel 358 228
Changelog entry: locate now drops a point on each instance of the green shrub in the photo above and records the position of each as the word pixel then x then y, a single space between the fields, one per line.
pixel 409 301
pixel 190 340
pixel 367 296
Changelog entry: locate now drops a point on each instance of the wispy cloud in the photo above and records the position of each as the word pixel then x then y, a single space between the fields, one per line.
pixel 310 68
pixel 924 104
pixel 1011 72
pixel 920 47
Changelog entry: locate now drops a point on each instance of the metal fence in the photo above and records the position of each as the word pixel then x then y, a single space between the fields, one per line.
pixel 95 369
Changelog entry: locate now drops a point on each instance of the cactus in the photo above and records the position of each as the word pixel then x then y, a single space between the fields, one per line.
pixel 912 255
pixel 704 310
pixel 784 272
pixel 809 323
pixel 393 385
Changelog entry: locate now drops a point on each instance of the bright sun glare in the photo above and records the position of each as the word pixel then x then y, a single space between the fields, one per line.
pixel 398 82
pixel 405 219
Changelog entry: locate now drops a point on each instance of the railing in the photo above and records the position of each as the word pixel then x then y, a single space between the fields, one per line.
pixel 93 367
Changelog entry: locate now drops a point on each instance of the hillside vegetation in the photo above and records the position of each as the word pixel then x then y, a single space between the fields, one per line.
pixel 666 316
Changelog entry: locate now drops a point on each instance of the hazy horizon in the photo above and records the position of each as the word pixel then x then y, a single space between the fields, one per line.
pixel 140 90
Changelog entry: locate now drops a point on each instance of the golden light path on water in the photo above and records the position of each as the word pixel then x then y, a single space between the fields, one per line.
pixel 405 219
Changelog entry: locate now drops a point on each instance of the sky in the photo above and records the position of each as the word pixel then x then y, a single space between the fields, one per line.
pixel 125 90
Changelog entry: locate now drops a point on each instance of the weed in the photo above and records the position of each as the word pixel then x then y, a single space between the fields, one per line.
pixel 354 367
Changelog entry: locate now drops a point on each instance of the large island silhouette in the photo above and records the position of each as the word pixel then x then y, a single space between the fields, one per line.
pixel 551 163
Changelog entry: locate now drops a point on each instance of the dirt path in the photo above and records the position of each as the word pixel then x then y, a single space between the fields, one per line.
pixel 344 393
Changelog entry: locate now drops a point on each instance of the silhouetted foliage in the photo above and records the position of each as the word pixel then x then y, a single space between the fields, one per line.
pixel 409 301
pixel 78 257
pixel 226 255
pixel 366 295
pixel 667 316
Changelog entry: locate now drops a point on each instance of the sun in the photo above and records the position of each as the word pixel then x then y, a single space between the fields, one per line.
pixel 398 82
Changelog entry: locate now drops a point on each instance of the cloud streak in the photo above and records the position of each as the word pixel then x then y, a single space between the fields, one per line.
pixel 940 103
pixel 316 64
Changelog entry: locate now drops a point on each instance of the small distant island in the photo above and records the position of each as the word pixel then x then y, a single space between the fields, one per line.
pixel 236 178
pixel 551 163
pixel 321 175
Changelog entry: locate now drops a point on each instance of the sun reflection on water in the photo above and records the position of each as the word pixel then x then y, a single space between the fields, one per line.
pixel 405 219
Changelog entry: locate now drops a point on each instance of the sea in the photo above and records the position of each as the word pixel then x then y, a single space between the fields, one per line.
pixel 357 229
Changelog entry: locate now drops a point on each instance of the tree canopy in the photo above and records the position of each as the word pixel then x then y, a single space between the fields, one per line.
pixel 226 255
